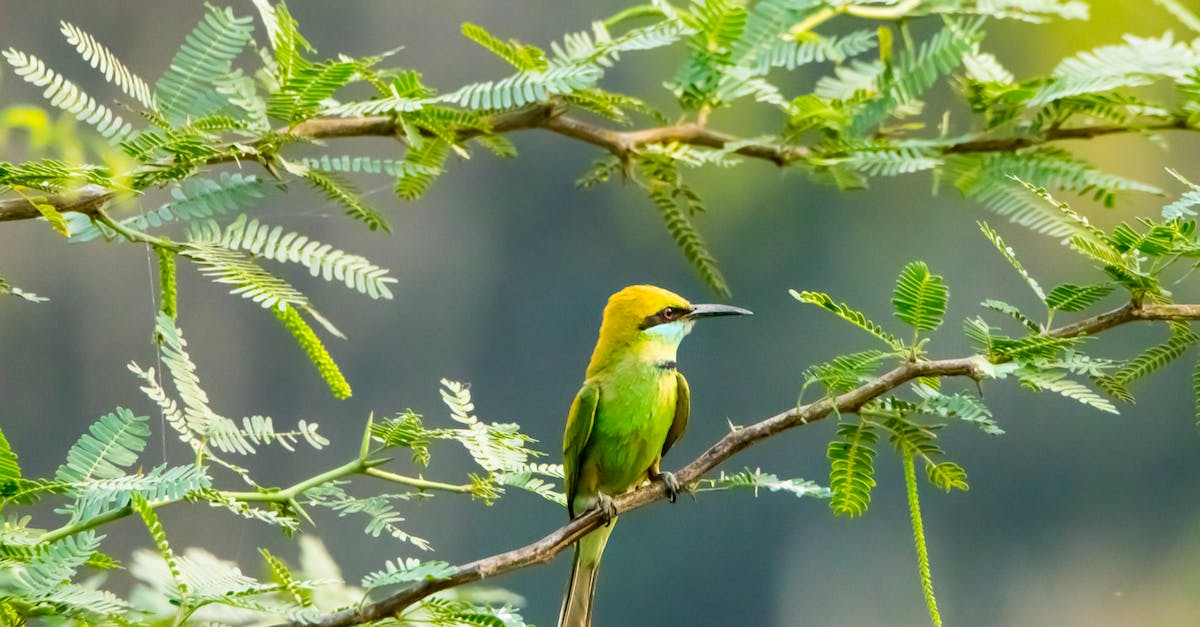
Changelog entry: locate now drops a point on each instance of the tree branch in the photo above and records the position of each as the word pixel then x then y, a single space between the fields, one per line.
pixel 553 117
pixel 549 546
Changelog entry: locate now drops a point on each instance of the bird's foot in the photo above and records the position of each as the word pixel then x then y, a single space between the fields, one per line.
pixel 671 483
pixel 608 509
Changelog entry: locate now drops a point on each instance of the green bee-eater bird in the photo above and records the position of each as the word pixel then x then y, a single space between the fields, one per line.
pixel 633 406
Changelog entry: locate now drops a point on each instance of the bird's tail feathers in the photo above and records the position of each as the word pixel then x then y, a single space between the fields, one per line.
pixel 581 588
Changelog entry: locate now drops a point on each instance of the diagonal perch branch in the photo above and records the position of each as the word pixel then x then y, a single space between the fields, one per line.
pixel 549 546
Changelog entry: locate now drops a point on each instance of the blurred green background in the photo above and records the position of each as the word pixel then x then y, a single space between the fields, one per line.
pixel 1073 518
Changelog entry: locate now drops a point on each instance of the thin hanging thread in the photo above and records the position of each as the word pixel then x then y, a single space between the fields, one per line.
pixel 154 305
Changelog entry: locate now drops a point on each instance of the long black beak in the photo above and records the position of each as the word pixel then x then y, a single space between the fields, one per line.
pixel 709 311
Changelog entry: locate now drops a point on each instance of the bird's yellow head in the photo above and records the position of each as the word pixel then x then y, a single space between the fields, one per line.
pixel 648 321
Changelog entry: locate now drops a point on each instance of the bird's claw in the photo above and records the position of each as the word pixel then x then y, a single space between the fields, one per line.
pixel 607 508
pixel 671 484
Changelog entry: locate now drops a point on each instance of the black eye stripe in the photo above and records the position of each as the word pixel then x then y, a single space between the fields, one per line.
pixel 663 316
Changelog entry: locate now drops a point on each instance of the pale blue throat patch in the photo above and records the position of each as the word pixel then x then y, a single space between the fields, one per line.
pixel 671 333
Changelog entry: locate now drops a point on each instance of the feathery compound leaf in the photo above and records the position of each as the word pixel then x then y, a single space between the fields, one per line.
pixel 1182 208
pixel 524 57
pixel 406 431
pixel 1013 312
pixel 1137 62
pixel 841 310
pixel 496 447
pixel 1057 382
pixel 852 468
pixel 10 471
pixel 188 88
pixel 1071 298
pixel 920 297
pixel 845 372
pixel 528 480
pixel 791 53
pixel 961 406
pixel 198 425
pixel 758 480
pixel 675 200
pixel 408 570
pixel 302 95
pixel 53 564
pixel 103 60
pixel 160 485
pixel 382 514
pixel 1154 358
pixel 192 199
pixel 249 280
pixel 1011 257
pixel 369 165
pixel 114 443
pixel 261 240
pixel 524 88
pixel 947 476
pixel 355 207
pixel 427 157
pixel 67 96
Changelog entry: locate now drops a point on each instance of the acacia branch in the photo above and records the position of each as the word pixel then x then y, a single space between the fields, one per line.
pixel 553 117
pixel 545 549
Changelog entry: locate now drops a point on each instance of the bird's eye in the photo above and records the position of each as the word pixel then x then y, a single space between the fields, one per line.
pixel 669 313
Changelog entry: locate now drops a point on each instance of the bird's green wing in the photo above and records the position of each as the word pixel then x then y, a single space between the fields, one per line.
pixel 683 407
pixel 579 428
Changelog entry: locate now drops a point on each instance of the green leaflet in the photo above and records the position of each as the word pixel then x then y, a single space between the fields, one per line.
pixel 10 470
pixel 300 97
pixel 1011 257
pixel 1070 297
pixel 1183 207
pixel 758 480
pixel 261 240
pixel 676 202
pixel 379 510
pixel 496 447
pixel 852 468
pixel 341 193
pixel 1150 360
pixel 1057 382
pixel 1013 312
pixel 188 89
pixel 67 96
pixel 844 312
pixel 1137 62
pixel 112 444
pixel 405 431
pixel 920 297
pixel 407 570
pixel 846 372
pixel 158 485
pixel 192 199
pixel 523 57
pixel 104 61
pixel 249 280
pixel 947 476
